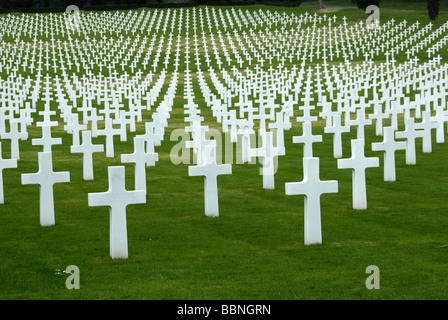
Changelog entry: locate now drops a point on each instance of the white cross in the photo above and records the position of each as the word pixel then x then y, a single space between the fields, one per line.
pixel 360 122
pixel 439 119
pixel 389 146
pixel 109 131
pixel 358 163
pixel 117 198
pixel 151 137
pixel 47 141
pixel 378 115
pixel 337 129
pixel 232 121
pixel 312 188
pixel 262 116
pixel 307 138
pixel 123 121
pixel 14 135
pixel 210 170
pixel 5 164
pixel 410 134
pixel 427 125
pixel 74 127
pixel 246 130
pixel 199 140
pixel 140 158
pixel 280 125
pixel 268 152
pixel 46 178
pixel 93 117
pixel 87 149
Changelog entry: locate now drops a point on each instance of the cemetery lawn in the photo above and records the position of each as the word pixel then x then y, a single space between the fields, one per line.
pixel 254 249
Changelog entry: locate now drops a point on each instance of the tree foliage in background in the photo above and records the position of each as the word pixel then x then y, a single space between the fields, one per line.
pixel 121 4
pixel 433 9
pixel 363 4
pixel 24 3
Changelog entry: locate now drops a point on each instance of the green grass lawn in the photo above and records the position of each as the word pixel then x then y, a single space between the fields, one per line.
pixel 254 249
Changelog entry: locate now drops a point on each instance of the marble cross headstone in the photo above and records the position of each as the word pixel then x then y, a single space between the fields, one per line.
pixel 14 135
pixel 109 131
pixel 5 164
pixel 93 119
pixel 87 149
pixel 389 146
pixel 210 170
pixel 268 152
pixel 245 130
pixel 360 122
pixel 312 188
pixel 358 163
pixel 74 127
pixel 427 125
pixel 152 139
pixel 379 116
pixel 47 141
pixel 46 178
pixel 280 125
pixel 410 134
pixel 140 158
pixel 307 138
pixel 337 129
pixel 198 139
pixel 117 198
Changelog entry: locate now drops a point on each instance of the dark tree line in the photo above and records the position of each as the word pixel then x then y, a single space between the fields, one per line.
pixel 432 5
pixel 17 4
pixel 363 4
pixel 433 9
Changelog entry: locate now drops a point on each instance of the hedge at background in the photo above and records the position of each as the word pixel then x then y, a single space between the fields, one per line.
pixel 433 9
pixel 363 4
pixel 60 5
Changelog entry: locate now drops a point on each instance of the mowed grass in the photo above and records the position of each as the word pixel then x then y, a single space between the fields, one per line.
pixel 253 250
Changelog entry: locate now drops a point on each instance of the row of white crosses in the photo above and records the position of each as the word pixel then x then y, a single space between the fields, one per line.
pixel 144 22
pixel 117 198
pixel 268 152
pixel 311 186
pixel 206 153
pixel 358 163
pixel 73 126
pixel 15 128
pixel 346 84
pixel 262 47
pixel 46 178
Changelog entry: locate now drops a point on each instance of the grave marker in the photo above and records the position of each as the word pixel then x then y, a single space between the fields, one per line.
pixel 210 170
pixel 5 164
pixel 117 198
pixel 140 158
pixel 46 178
pixel 389 146
pixel 358 163
pixel 312 188
pixel 87 149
